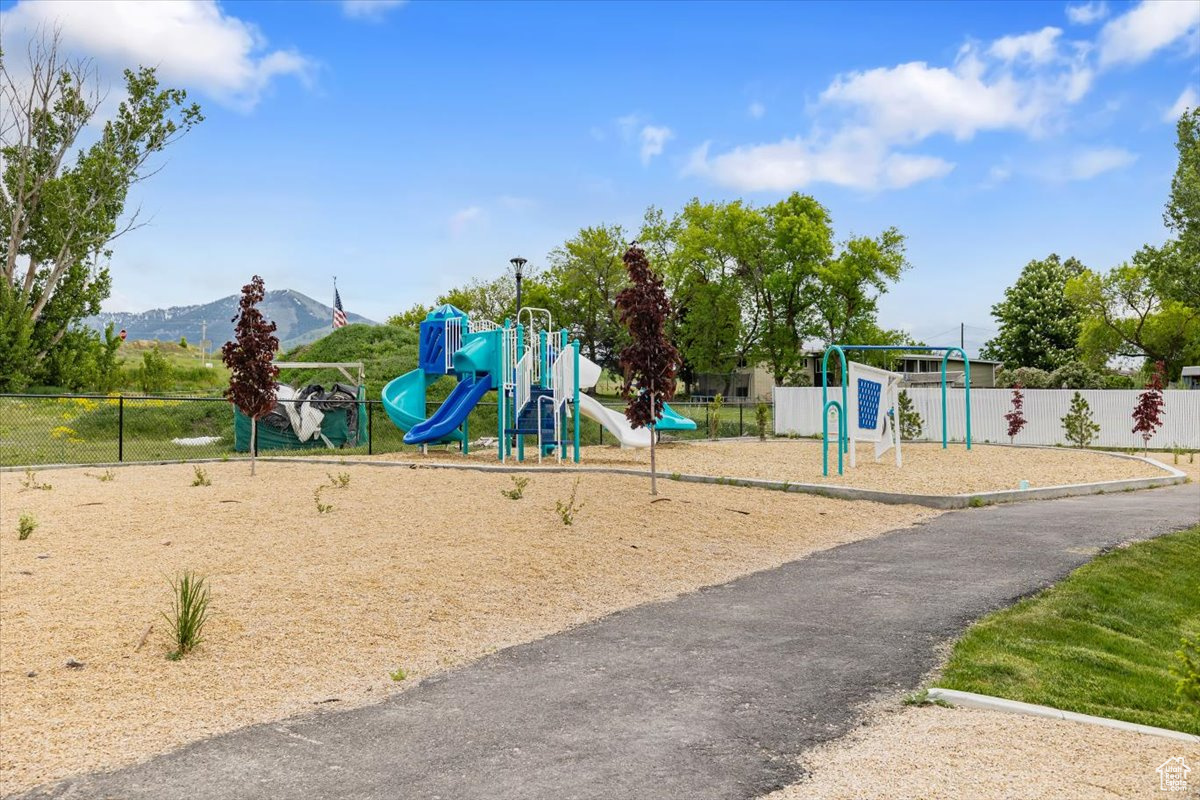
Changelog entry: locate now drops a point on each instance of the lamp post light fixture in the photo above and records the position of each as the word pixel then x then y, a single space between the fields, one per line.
pixel 518 265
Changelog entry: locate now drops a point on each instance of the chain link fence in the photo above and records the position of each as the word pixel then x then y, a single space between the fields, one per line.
pixel 98 429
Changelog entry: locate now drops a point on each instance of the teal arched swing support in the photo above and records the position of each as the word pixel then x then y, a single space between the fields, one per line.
pixel 843 428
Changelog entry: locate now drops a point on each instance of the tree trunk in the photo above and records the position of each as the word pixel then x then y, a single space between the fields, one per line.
pixel 253 442
pixel 653 469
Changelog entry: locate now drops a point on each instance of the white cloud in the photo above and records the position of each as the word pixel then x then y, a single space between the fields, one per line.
pixel 653 139
pixel 1095 161
pixel 1087 13
pixel 464 218
pixel 373 10
pixel 1188 98
pixel 1022 83
pixel 913 101
pixel 854 159
pixel 1039 47
pixel 1151 26
pixel 756 110
pixel 193 43
pixel 627 125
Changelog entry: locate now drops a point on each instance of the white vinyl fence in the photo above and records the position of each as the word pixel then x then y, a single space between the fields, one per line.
pixel 798 412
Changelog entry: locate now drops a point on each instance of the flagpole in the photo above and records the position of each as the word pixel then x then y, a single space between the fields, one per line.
pixel 333 322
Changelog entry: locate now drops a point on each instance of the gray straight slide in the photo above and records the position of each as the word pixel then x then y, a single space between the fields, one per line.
pixel 710 695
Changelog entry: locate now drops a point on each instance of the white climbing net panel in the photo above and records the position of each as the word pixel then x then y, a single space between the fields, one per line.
pixel 874 412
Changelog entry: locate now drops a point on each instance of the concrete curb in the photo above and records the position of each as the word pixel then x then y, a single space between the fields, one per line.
pixel 941 502
pixel 972 700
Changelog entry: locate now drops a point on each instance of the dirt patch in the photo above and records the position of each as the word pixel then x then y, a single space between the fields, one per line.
pixel 927 469
pixel 934 753
pixel 413 569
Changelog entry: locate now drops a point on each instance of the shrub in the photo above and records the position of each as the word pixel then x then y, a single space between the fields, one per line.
pixel 1028 377
pixel 30 481
pixel 518 490
pixel 154 376
pixel 568 510
pixel 1114 381
pixel 189 613
pixel 201 477
pixel 322 507
pixel 761 412
pixel 25 527
pixel 1075 375
pixel 1188 671
pixel 911 424
pixel 1080 426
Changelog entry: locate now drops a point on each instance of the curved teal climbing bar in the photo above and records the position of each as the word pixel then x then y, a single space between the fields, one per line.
pixel 966 396
pixel 842 432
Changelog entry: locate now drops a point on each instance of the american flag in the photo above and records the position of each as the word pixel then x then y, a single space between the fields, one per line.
pixel 339 314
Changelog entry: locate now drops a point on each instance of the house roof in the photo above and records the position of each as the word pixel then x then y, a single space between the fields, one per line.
pixel 952 358
pixel 1191 372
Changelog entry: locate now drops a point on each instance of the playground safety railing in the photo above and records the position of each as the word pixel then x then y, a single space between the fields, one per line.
pixel 453 340
pixel 524 381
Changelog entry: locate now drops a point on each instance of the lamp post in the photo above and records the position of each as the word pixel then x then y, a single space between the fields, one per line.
pixel 518 265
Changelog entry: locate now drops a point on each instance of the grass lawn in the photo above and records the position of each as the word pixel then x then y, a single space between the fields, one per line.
pixel 1101 642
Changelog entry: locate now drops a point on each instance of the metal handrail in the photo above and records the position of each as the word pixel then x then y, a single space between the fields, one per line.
pixel 554 413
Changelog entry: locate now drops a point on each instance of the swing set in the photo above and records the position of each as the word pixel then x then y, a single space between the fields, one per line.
pixel 844 442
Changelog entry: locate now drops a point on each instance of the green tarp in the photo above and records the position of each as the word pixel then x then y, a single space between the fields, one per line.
pixel 334 426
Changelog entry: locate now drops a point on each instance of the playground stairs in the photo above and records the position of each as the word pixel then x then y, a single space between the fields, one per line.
pixel 533 413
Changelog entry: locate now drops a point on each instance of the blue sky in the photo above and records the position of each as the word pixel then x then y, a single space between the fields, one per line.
pixel 407 147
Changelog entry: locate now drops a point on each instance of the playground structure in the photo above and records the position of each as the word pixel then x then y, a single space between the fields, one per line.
pixel 539 377
pixel 874 390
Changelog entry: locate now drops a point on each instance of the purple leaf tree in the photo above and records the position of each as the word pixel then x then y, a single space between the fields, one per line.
pixel 251 360
pixel 1016 417
pixel 1147 414
pixel 650 362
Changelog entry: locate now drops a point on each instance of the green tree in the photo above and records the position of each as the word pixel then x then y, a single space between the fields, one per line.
pixel 61 206
pixel 801 238
pixel 584 277
pixel 411 318
pixel 154 375
pixel 1176 272
pixel 1080 427
pixel 1125 314
pixel 496 300
pixel 1039 325
pixel 911 423
pixel 849 285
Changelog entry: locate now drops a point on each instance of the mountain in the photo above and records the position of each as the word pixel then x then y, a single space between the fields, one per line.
pixel 299 318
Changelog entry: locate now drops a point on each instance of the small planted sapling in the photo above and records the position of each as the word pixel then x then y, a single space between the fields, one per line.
pixel 1015 417
pixel 1147 414
pixel 1080 426
pixel 250 358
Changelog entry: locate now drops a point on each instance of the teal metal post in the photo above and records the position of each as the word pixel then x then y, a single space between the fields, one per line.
pixel 562 429
pixel 966 395
pixel 516 411
pixel 575 405
pixel 501 405
pixel 543 359
pixel 825 435
pixel 843 429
